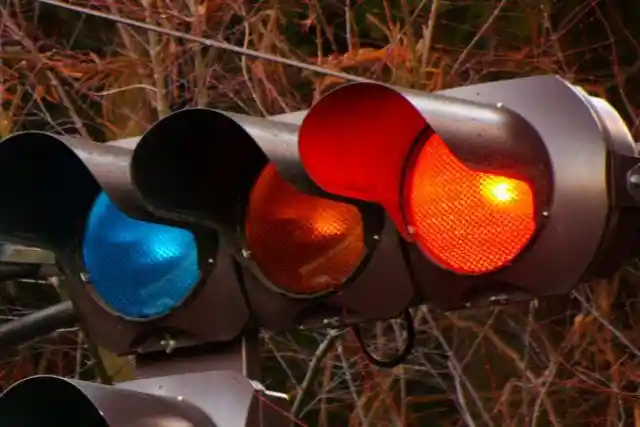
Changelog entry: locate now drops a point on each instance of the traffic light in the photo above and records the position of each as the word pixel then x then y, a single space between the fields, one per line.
pixel 212 224
pixel 206 398
pixel 374 200
pixel 137 281
pixel 503 191
pixel 48 401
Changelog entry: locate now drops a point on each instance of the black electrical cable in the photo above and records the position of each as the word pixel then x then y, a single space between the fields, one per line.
pixel 402 356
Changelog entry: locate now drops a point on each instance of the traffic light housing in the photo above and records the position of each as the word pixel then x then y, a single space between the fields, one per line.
pixel 476 192
pixel 332 218
pixel 138 282
pixel 48 401
pixel 503 191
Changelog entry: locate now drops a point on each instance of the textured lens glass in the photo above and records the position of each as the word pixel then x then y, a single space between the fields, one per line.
pixel 138 269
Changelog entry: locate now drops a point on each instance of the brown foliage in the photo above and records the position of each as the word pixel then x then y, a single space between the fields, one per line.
pixel 564 362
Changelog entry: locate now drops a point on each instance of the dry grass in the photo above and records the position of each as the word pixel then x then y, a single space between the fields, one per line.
pixel 565 362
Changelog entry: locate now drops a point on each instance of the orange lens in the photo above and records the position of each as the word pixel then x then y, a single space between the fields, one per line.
pixel 469 222
pixel 302 244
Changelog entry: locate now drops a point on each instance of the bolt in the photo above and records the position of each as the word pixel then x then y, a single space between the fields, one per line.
pixel 376 237
pixel 246 253
pixel 332 322
pixel 169 344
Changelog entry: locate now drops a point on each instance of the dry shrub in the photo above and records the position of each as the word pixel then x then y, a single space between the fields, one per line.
pixel 568 362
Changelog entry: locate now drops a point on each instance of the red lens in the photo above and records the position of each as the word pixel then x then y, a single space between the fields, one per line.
pixel 467 221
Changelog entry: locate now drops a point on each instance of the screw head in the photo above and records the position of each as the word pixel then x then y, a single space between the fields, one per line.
pixel 634 180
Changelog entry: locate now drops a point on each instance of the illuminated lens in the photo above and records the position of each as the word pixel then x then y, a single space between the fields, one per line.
pixel 138 269
pixel 304 245
pixel 470 222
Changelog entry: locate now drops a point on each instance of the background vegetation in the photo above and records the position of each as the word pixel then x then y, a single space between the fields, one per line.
pixel 567 362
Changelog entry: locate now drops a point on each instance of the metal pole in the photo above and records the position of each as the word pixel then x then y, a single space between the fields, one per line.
pixel 38 324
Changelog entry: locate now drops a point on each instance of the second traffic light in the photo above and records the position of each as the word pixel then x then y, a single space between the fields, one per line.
pixel 176 395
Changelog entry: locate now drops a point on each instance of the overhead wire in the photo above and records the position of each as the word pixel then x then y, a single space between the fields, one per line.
pixel 206 41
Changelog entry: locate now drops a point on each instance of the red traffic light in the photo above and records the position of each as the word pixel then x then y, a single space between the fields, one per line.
pixel 478 190
pixel 48 401
pixel 494 192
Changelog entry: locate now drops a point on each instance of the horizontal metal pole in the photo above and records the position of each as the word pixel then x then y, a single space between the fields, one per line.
pixel 17 271
pixel 11 253
pixel 38 324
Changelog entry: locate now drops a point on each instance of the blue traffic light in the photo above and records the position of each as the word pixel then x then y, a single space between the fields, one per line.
pixel 138 269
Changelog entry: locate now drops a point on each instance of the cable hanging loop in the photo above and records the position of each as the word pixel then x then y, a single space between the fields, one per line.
pixel 402 356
